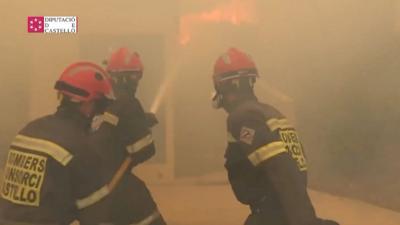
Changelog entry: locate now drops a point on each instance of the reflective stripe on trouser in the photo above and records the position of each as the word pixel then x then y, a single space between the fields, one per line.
pixel 93 198
pixel 149 220
pixel 132 202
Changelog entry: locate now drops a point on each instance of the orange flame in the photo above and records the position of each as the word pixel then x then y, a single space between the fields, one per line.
pixel 235 12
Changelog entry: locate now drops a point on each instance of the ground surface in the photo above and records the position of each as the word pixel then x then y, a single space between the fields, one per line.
pixel 187 203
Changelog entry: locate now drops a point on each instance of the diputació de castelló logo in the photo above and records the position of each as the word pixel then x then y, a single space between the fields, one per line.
pixel 52 24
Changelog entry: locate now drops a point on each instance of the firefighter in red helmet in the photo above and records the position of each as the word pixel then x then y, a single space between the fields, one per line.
pixel 125 131
pixel 50 175
pixel 265 161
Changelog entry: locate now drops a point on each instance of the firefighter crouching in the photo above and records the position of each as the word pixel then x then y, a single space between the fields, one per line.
pixel 124 135
pixel 265 161
pixel 51 177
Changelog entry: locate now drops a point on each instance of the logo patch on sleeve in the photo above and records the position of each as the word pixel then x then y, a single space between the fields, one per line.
pixel 247 135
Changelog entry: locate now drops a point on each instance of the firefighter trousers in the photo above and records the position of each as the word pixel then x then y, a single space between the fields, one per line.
pixel 133 204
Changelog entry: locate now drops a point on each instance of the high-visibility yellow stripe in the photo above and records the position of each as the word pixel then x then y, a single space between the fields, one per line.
pixel 110 118
pixel 266 152
pixel 275 124
pixel 140 144
pixel 55 151
pixel 148 220
pixel 92 198
pixel 231 139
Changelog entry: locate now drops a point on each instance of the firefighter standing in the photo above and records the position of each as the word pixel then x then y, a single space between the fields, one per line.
pixel 51 177
pixel 265 161
pixel 127 130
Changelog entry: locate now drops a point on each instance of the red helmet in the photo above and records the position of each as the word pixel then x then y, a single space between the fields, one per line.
pixel 85 81
pixel 122 60
pixel 233 64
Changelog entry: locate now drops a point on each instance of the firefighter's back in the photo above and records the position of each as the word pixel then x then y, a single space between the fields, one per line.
pixel 253 126
pixel 48 169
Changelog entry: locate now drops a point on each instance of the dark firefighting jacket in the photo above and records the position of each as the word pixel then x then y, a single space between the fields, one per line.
pixel 266 164
pixel 125 132
pixel 51 176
